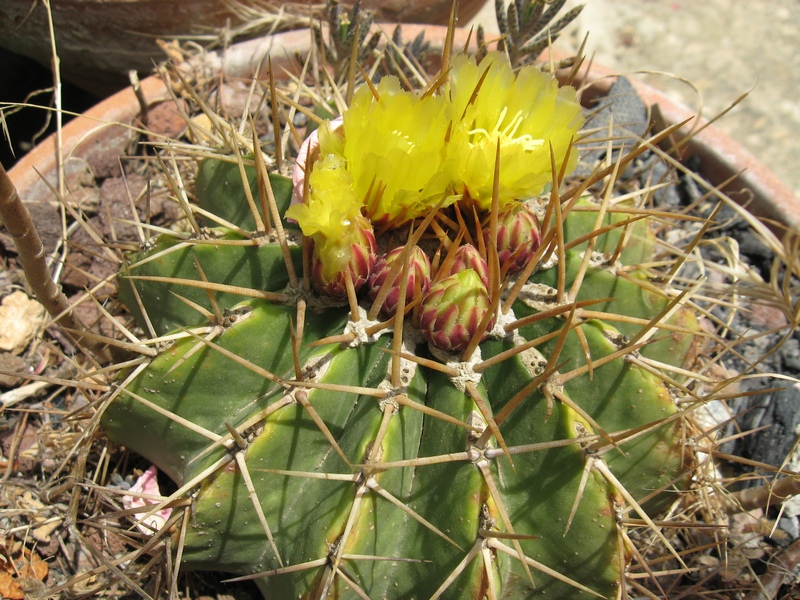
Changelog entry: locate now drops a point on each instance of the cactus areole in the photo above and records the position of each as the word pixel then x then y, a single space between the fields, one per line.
pixel 476 419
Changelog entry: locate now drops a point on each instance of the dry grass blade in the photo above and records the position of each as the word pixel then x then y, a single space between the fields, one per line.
pixel 762 496
pixel 778 572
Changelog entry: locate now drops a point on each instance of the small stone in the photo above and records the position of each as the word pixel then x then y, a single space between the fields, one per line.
pixel 200 129
pixel 790 352
pixel 790 526
pixel 234 97
pixel 165 120
pixel 768 317
pixel 20 319
pixel 11 363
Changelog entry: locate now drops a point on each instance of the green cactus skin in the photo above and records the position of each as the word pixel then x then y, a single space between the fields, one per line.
pixel 468 517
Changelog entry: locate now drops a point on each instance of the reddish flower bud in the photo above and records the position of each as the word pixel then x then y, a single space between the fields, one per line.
pixel 468 257
pixel 453 309
pixel 518 231
pixel 419 277
pixel 355 251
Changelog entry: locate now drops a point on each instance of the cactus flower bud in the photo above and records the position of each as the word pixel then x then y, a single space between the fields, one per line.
pixel 342 239
pixel 419 277
pixel 518 230
pixel 355 251
pixel 453 309
pixel 468 257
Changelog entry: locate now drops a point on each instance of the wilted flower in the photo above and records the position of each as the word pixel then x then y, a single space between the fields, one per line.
pixel 147 485
pixel 453 309
pixel 527 113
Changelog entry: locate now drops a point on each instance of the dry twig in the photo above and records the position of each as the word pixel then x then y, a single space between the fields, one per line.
pixel 17 219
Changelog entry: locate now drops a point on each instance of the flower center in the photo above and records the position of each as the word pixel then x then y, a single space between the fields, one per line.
pixel 507 134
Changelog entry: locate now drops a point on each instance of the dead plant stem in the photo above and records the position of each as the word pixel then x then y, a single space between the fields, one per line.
pixel 17 219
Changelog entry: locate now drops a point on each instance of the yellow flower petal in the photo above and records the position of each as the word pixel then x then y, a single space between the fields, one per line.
pixel 394 147
pixel 526 113
pixel 332 212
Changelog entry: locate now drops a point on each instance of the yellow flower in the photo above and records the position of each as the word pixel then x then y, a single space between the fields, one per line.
pixel 528 113
pixel 394 148
pixel 332 217
pixel 398 154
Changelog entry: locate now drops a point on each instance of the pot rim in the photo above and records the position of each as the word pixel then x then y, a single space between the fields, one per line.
pixel 746 179
pixel 722 158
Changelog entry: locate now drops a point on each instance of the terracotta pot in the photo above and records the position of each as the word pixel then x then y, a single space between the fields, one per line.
pixel 721 158
pixel 99 41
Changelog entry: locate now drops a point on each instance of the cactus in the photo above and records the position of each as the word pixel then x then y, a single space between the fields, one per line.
pixel 329 454
pixel 433 362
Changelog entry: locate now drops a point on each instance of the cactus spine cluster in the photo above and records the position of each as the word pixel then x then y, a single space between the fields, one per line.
pixel 466 395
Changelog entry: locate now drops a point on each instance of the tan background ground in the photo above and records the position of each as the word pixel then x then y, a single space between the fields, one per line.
pixel 724 47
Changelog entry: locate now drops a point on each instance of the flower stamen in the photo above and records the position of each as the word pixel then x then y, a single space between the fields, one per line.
pixel 508 133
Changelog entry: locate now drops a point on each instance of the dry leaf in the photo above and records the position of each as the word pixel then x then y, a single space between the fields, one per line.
pixel 18 564
pixel 44 524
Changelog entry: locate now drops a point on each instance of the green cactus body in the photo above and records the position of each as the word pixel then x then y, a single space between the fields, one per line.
pixel 342 485
pixel 493 439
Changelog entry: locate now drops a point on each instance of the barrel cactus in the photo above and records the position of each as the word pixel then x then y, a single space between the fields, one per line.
pixel 432 365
